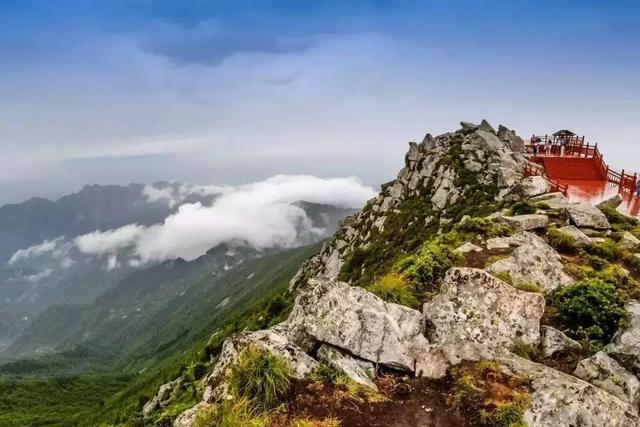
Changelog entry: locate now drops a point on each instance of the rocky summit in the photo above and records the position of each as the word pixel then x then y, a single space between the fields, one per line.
pixel 463 294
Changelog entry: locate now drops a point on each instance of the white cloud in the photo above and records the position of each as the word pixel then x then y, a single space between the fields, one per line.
pixel 173 195
pixel 262 214
pixel 100 242
pixel 33 278
pixel 46 246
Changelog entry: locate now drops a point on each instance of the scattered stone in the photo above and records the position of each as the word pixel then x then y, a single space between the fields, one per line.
pixel 625 346
pixel 468 247
pixel 605 373
pixel 525 222
pixel 558 399
pixel 498 243
pixel 164 397
pixel 359 322
pixel 629 242
pixel 584 215
pixel 611 203
pixel 476 307
pixel 580 238
pixel 553 341
pixel 359 371
pixel 533 262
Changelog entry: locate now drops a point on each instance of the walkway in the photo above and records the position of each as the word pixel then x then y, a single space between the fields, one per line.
pixel 579 171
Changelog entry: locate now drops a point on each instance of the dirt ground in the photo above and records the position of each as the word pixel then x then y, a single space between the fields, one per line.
pixel 408 402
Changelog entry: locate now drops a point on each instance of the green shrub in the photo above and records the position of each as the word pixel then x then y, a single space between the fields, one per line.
pixel 325 373
pixel 424 269
pixel 484 227
pixel 578 271
pixel 562 241
pixel 619 221
pixel 527 351
pixel 633 261
pixel 524 207
pixel 260 377
pixel 607 250
pixel 394 288
pixel 596 262
pixel 232 413
pixel 591 309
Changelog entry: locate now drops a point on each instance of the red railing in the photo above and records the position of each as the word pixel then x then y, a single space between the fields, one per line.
pixel 529 170
pixel 575 146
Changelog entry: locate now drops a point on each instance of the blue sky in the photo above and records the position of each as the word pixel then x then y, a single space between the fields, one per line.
pixel 116 91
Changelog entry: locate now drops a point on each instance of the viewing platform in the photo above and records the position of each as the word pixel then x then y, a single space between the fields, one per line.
pixel 577 169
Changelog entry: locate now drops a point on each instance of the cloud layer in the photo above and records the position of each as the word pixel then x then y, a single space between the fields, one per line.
pixel 263 214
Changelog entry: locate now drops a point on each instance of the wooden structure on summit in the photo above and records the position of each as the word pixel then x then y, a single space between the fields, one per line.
pixel 565 155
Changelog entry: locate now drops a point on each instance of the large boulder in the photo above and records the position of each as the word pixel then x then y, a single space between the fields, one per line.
pixel 584 215
pixel 558 399
pixel 553 200
pixel 528 187
pixel 611 203
pixel 474 306
pixel 533 262
pixel 360 371
pixel 360 323
pixel 553 342
pixel 188 417
pixel 625 346
pixel 578 235
pixel 270 341
pixel 629 242
pixel 604 372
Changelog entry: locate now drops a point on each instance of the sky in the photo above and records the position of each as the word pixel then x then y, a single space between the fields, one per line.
pixel 233 92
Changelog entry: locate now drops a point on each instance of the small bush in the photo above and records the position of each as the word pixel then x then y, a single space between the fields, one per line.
pixel 525 207
pixel 329 422
pixel 325 373
pixel 394 288
pixel 260 377
pixel 562 241
pixel 484 227
pixel 619 221
pixel 597 263
pixel 578 271
pixel 236 413
pixel 607 250
pixel 633 261
pixel 591 309
pixel 425 268
pixel 527 351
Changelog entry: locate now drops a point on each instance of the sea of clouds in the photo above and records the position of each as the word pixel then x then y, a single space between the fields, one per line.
pixel 262 214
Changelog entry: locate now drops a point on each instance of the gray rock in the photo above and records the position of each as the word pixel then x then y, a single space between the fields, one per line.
pixel 553 341
pixel 612 202
pixel 625 346
pixel 584 215
pixel 605 373
pixel 485 126
pixel 476 307
pixel 358 370
pixel 577 234
pixel 165 396
pixel 468 247
pixel 555 201
pixel 629 241
pixel 468 126
pixel 533 262
pixel 534 186
pixel 525 222
pixel 272 341
pixel 188 417
pixel 360 323
pixel 558 399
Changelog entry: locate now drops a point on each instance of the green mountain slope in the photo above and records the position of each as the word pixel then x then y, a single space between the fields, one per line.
pixel 157 347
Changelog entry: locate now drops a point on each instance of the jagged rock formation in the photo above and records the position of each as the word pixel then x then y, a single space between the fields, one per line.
pixel 472 314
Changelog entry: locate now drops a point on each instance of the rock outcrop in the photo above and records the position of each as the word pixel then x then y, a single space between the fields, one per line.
pixel 584 215
pixel 625 347
pixel 473 306
pixel 533 262
pixel 354 320
pixel 605 373
pixel 554 341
